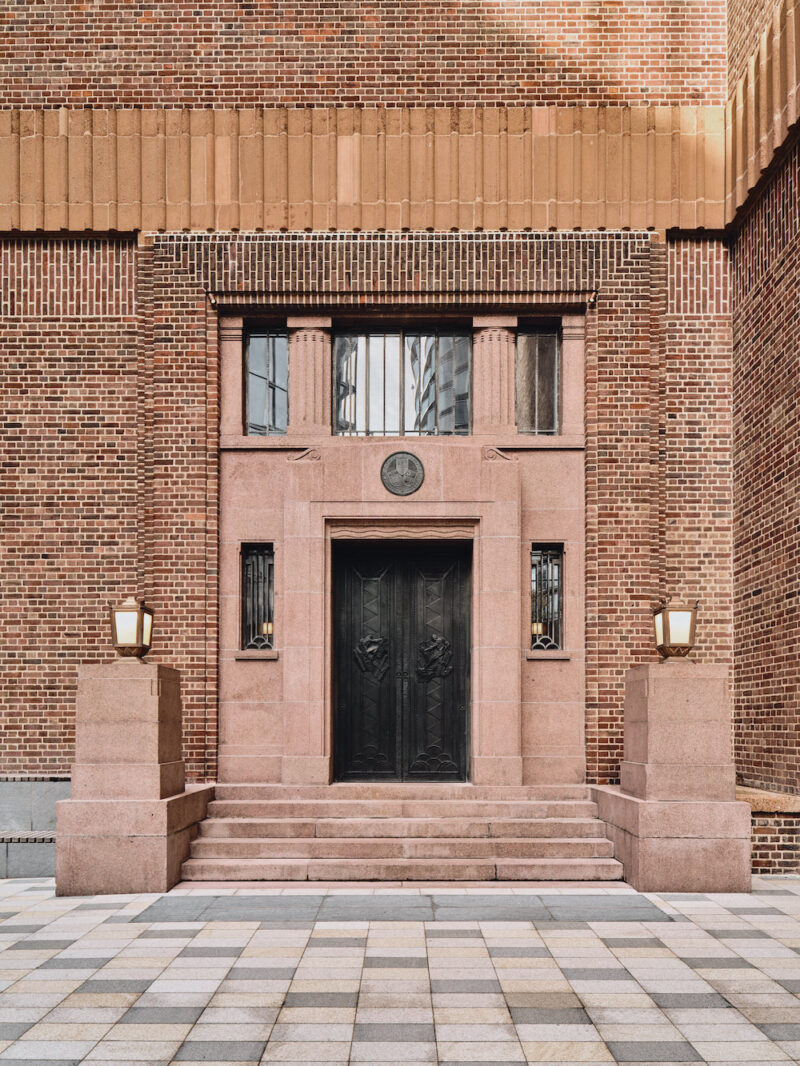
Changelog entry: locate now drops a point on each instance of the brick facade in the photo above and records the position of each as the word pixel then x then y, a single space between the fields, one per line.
pixel 656 419
pixel 68 440
pixel 776 843
pixel 212 55
pixel 766 325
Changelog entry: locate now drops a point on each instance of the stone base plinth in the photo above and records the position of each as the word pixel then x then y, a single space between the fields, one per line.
pixel 678 846
pixel 110 846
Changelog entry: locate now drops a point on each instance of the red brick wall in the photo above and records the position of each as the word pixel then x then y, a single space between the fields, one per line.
pixel 68 356
pixel 134 390
pixel 697 494
pixel 420 52
pixel 776 843
pixel 766 326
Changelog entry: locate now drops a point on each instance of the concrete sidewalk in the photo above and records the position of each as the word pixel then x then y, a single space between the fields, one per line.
pixel 388 974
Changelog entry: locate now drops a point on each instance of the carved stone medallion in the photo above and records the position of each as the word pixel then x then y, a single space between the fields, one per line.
pixel 402 473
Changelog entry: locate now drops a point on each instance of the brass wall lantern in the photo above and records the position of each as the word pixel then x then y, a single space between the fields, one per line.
pixel 674 626
pixel 131 627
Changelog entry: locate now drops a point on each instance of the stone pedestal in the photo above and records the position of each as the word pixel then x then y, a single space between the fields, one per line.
pixel 674 820
pixel 130 820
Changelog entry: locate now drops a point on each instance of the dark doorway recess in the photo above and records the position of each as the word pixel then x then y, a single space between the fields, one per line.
pixel 401 625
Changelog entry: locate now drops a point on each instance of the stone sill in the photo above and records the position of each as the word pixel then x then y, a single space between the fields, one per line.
pixel 763 801
pixel 559 655
pixel 267 653
pixel 518 443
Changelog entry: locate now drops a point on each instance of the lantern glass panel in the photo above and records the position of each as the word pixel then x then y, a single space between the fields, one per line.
pixel 680 627
pixel 126 626
pixel 147 633
pixel 658 621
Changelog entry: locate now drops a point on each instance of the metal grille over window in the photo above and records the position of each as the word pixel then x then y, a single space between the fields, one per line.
pixel 538 382
pixel 402 384
pixel 258 596
pixel 267 378
pixel 546 597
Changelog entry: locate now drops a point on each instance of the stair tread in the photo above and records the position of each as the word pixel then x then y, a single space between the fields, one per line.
pixel 449 840
pixel 379 832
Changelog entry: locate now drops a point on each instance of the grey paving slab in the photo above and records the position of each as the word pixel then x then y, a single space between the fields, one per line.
pixel 549 1016
pixel 632 942
pixel 160 1015
pixel 519 953
pixel 403 962
pixel 14 1030
pixel 220 1051
pixel 40 945
pixel 479 985
pixel 112 984
pixel 780 1030
pixel 392 1032
pixel 606 973
pixel 210 951
pixel 653 1051
pixel 320 999
pixel 718 963
pixel 738 934
pixel 693 1000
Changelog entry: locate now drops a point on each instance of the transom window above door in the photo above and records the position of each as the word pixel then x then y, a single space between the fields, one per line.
pixel 402 383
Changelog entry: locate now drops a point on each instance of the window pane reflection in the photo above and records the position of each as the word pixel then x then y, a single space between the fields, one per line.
pixel 538 382
pixel 267 383
pixel 416 384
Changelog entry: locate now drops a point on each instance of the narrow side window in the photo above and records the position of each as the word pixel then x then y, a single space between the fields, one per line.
pixel 258 596
pixel 547 597
pixel 538 382
pixel 266 383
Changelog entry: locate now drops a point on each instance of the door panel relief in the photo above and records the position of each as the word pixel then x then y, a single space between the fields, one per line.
pixel 401 660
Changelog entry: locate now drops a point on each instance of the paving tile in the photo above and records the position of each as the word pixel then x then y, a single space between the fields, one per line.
pixel 653 1051
pixel 220 1051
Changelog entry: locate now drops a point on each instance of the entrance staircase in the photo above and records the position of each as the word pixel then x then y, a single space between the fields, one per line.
pixel 401 832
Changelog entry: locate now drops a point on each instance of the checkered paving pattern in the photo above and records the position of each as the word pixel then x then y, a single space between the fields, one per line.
pixel 458 976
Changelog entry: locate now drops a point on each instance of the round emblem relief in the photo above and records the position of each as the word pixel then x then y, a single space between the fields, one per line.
pixel 402 473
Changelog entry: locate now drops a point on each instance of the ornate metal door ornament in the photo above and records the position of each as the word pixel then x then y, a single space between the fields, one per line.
pixel 402 473
pixel 372 656
pixel 434 658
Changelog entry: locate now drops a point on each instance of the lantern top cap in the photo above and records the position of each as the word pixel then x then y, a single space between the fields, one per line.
pixel 676 605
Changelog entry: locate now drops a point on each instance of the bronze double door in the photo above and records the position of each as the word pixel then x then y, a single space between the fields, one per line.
pixel 401 622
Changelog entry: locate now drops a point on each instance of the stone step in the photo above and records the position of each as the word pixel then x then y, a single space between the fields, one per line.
pixel 401 848
pixel 375 790
pixel 592 869
pixel 423 808
pixel 401 827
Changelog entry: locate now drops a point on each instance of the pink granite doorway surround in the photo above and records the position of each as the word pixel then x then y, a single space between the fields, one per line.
pixel 496 487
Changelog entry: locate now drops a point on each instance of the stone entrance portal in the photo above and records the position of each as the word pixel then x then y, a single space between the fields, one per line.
pixel 401 660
